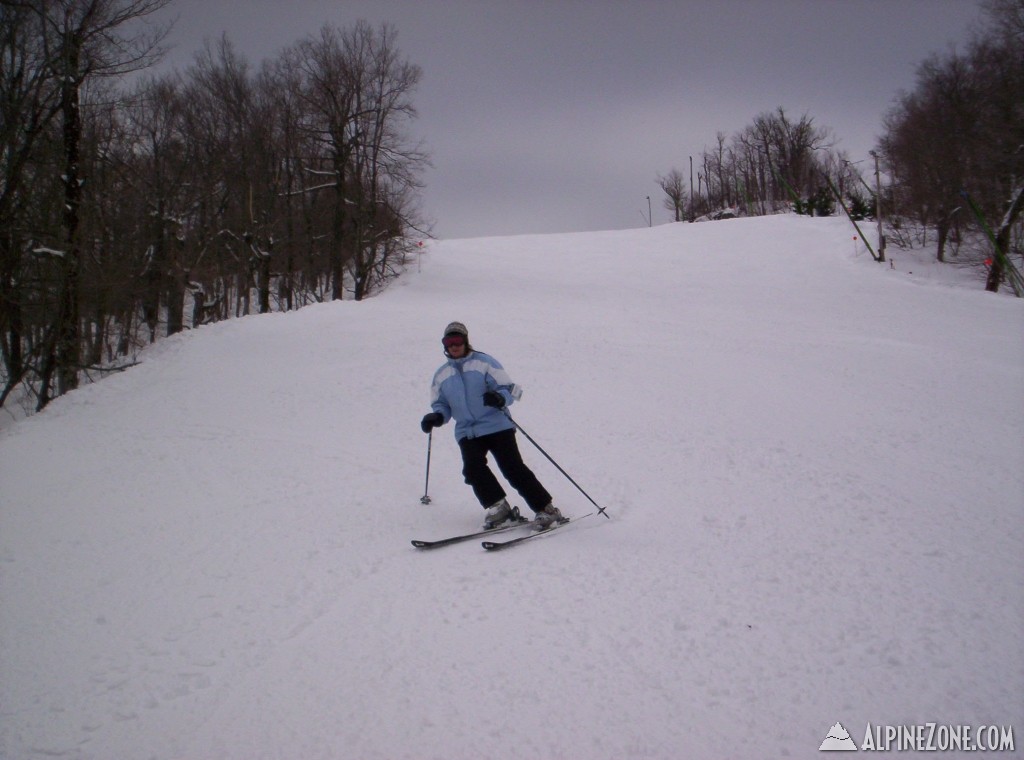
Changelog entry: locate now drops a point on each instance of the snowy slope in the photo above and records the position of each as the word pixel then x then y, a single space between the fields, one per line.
pixel 812 461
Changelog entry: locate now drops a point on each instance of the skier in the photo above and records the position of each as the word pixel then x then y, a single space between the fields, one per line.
pixel 474 388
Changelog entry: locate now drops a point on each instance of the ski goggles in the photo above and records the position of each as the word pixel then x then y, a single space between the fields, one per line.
pixel 453 341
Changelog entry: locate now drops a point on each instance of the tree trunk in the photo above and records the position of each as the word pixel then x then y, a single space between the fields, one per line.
pixel 175 304
pixel 337 262
pixel 264 279
pixel 1000 262
pixel 67 344
pixel 942 230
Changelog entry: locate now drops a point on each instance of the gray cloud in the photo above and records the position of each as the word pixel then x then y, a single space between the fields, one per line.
pixel 557 115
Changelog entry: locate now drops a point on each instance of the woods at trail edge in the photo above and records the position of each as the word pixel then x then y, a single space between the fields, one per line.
pixel 134 206
pixel 951 150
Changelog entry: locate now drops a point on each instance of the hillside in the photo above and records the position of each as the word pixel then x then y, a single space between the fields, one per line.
pixel 812 464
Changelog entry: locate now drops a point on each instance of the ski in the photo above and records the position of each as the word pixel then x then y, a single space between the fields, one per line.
pixel 493 546
pixel 468 536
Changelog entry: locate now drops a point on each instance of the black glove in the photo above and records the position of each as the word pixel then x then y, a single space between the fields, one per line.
pixel 495 399
pixel 432 420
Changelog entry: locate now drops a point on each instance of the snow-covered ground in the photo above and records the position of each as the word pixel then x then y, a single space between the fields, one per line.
pixel 813 465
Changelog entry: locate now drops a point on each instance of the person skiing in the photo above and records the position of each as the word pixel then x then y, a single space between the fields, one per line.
pixel 474 389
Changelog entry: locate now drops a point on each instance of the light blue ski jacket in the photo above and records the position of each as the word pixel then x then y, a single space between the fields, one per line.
pixel 458 391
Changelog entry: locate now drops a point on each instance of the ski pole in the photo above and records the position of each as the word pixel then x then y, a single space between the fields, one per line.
pixel 569 477
pixel 426 486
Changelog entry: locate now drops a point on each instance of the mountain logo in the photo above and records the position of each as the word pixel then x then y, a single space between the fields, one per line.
pixel 838 740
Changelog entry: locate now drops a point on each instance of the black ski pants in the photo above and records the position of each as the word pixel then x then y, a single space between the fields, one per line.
pixel 506 453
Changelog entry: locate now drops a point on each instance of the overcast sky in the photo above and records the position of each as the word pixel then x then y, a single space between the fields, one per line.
pixel 558 115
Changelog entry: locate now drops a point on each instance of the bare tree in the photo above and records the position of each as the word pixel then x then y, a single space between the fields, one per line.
pixel 674 187
pixel 156 170
pixel 771 163
pixel 79 41
pixel 387 165
pixel 925 139
pixel 357 95
pixel 30 101
pixel 227 188
pixel 960 132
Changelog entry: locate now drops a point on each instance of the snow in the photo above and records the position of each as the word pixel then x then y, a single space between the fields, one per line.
pixel 812 462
